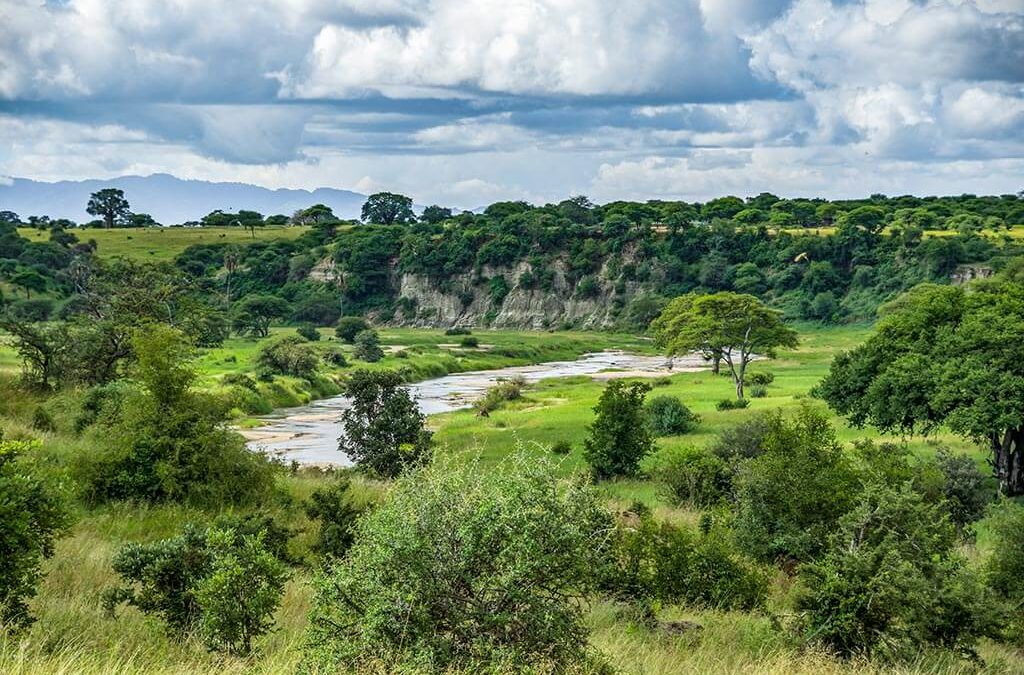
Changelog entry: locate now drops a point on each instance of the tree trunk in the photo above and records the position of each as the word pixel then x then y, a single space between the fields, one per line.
pixel 739 387
pixel 716 364
pixel 1007 461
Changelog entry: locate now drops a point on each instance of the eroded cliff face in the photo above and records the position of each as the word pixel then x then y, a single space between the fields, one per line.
pixel 467 300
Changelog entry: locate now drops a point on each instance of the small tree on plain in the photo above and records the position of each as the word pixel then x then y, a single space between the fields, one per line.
pixel 620 436
pixel 110 205
pixel 384 430
pixel 728 326
pixel 367 347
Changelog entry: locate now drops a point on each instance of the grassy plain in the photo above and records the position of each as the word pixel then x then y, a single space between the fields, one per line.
pixel 163 244
pixel 74 634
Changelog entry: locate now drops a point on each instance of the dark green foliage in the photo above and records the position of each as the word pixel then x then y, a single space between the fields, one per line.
pixel 290 355
pixel 367 347
pixel 651 561
pixel 619 436
pixel 667 416
pixel 32 516
pixel 940 356
pixel 42 420
pixel 758 391
pixel 457 330
pixel 350 326
pixel 388 208
pixel 561 447
pixel 384 430
pixel 966 489
pixel 309 332
pixel 790 497
pixel 254 314
pixel 694 476
pixel 732 404
pixel 332 507
pixel 239 596
pixel 1004 568
pixel 760 377
pixel 470 341
pixel 222 582
pixel 890 582
pixel 465 568
pixel 168 442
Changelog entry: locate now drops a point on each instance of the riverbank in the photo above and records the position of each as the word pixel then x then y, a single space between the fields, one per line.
pixel 229 371
pixel 309 434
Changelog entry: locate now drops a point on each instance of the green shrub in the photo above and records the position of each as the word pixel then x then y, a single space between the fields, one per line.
pixel 290 355
pixel 464 567
pixel 758 391
pixel 384 430
pixel 745 440
pixel 239 595
pixel 332 507
pixel 168 442
pixel 348 327
pixel 457 330
pixel 367 347
pixel 967 490
pixel 336 358
pixel 1004 568
pixel 694 476
pixel 791 496
pixel 240 380
pixel 506 390
pixel 732 404
pixel 223 583
pixel 104 400
pixel 759 378
pixel 32 516
pixel 667 416
pixel 470 341
pixel 619 437
pixel 891 583
pixel 42 420
pixel 561 447
pixel 653 562
pixel 309 332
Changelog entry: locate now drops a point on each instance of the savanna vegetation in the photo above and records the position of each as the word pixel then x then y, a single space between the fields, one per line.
pixel 835 491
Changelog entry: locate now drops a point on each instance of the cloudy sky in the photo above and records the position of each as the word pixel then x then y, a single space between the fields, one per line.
pixel 465 102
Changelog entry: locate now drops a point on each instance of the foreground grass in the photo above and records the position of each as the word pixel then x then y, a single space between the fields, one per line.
pixel 163 244
pixel 74 634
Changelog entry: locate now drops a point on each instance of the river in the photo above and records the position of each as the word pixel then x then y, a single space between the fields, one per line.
pixel 309 434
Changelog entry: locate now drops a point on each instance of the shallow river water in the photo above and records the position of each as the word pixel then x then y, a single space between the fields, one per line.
pixel 309 434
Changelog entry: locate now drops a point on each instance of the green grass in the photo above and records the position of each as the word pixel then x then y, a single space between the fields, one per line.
pixel 163 244
pixel 73 634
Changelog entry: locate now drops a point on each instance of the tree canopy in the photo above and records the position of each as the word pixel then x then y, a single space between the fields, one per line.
pixel 943 355
pixel 388 208
pixel 732 327
pixel 110 205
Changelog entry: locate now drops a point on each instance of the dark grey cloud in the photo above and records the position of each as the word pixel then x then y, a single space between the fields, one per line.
pixel 593 91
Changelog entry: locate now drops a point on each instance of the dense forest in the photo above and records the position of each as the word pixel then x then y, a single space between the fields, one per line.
pixel 831 261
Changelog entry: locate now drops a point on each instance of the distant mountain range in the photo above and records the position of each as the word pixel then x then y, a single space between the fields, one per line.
pixel 168 199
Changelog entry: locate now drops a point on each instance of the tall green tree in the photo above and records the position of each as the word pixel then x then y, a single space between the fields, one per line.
pixel 384 430
pixel 620 436
pixel 254 313
pixel 110 205
pixel 733 327
pixel 943 355
pixel 388 208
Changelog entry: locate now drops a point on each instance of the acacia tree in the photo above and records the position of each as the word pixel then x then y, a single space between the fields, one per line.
pixel 110 205
pixel 388 208
pixel 943 356
pixel 729 326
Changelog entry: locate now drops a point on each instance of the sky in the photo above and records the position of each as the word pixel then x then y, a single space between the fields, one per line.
pixel 464 103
